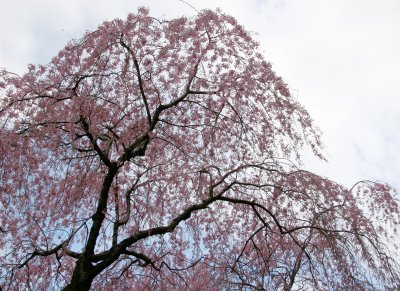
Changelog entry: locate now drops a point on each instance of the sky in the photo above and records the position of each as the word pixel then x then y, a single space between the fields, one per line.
pixel 340 59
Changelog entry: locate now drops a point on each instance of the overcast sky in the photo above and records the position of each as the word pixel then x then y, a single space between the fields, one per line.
pixel 340 58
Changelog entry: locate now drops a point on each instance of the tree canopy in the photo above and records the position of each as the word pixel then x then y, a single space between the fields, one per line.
pixel 166 154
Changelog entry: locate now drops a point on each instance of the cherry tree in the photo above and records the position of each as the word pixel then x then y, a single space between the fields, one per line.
pixel 165 154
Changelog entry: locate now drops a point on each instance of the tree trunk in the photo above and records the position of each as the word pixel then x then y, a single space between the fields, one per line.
pixel 82 277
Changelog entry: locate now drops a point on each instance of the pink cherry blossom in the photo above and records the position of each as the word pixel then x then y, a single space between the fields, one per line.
pixel 165 154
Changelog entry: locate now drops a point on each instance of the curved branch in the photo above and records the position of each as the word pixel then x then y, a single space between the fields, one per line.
pixel 40 253
pixel 144 98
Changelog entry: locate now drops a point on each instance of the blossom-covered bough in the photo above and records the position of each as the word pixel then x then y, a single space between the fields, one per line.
pixel 155 154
